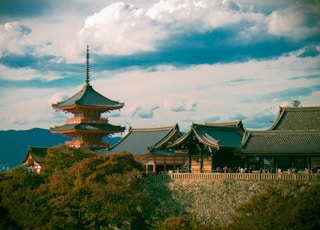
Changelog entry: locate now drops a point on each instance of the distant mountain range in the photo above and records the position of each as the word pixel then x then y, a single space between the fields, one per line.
pixel 14 144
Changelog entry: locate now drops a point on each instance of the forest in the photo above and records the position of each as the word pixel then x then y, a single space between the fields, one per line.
pixel 80 190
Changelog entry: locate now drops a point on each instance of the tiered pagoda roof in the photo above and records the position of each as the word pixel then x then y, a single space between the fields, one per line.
pixel 87 127
pixel 103 128
pixel 87 97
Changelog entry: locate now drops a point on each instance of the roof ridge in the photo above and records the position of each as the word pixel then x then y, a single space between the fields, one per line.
pixel 37 147
pixel 222 122
pixel 300 107
pixel 216 126
pixel 167 136
pixel 73 95
pixel 284 131
pixel 153 128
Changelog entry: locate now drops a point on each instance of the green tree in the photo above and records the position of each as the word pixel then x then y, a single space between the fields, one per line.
pixel 18 200
pixel 61 157
pixel 98 192
pixel 291 206
pixel 181 222
pixel 75 190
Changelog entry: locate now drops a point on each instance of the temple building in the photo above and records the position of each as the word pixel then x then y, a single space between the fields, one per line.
pixel 148 146
pixel 34 158
pixel 292 142
pixel 87 127
pixel 211 146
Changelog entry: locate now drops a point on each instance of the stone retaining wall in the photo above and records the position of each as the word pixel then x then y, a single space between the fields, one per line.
pixel 208 201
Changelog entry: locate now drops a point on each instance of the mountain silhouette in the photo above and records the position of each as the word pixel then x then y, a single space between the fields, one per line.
pixel 14 143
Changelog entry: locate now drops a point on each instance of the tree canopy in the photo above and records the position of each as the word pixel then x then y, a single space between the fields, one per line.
pixel 75 189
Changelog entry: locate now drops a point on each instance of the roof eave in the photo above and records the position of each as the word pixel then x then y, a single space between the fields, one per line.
pixel 167 137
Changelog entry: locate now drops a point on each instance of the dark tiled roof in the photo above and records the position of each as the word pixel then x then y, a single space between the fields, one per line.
pixel 87 96
pixel 146 140
pixel 213 136
pixel 236 124
pixel 37 153
pixel 281 142
pixel 88 127
pixel 297 118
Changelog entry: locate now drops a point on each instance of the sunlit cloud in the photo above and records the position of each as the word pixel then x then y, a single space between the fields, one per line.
pixel 169 61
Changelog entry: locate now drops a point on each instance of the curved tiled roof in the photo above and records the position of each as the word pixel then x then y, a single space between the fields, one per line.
pixel 215 135
pixel 87 96
pixel 281 142
pixel 145 140
pixel 297 118
pixel 87 127
pixel 236 124
pixel 37 154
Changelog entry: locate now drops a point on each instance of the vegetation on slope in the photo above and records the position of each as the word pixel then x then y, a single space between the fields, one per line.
pixel 75 190
pixel 291 206
pixel 79 190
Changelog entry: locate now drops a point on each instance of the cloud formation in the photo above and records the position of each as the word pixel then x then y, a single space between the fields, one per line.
pixel 119 29
pixel 11 40
pixel 139 112
pixel 180 105
pixel 168 60
pixel 186 32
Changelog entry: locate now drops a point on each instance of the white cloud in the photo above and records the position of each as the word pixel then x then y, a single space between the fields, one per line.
pixel 11 37
pixel 298 21
pixel 177 105
pixel 57 97
pixel 195 15
pixel 25 108
pixel 205 92
pixel 25 74
pixel 218 92
pixel 120 29
pixel 124 29
pixel 138 112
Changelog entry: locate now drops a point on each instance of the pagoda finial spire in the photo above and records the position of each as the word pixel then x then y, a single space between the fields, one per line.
pixel 87 67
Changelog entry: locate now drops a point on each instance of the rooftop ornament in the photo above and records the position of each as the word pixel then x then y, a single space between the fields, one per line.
pixel 87 67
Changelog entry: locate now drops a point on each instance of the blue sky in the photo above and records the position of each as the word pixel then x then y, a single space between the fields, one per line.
pixel 169 61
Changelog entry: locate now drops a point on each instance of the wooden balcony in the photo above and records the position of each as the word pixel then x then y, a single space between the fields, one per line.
pixel 78 120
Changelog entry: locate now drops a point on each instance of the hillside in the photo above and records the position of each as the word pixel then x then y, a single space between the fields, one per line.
pixel 14 144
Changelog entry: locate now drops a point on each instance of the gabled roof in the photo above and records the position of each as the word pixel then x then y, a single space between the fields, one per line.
pixel 281 142
pixel 236 124
pixel 297 118
pixel 215 135
pixel 87 96
pixel 87 127
pixel 140 141
pixel 36 153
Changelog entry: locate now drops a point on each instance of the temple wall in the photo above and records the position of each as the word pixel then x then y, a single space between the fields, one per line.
pixel 208 201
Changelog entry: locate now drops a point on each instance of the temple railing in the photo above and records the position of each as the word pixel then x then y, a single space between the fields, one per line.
pixel 90 144
pixel 78 120
pixel 234 176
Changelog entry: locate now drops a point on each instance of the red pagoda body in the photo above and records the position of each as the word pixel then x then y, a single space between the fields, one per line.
pixel 87 127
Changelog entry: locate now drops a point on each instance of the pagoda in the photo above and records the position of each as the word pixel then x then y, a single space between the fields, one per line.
pixel 87 127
